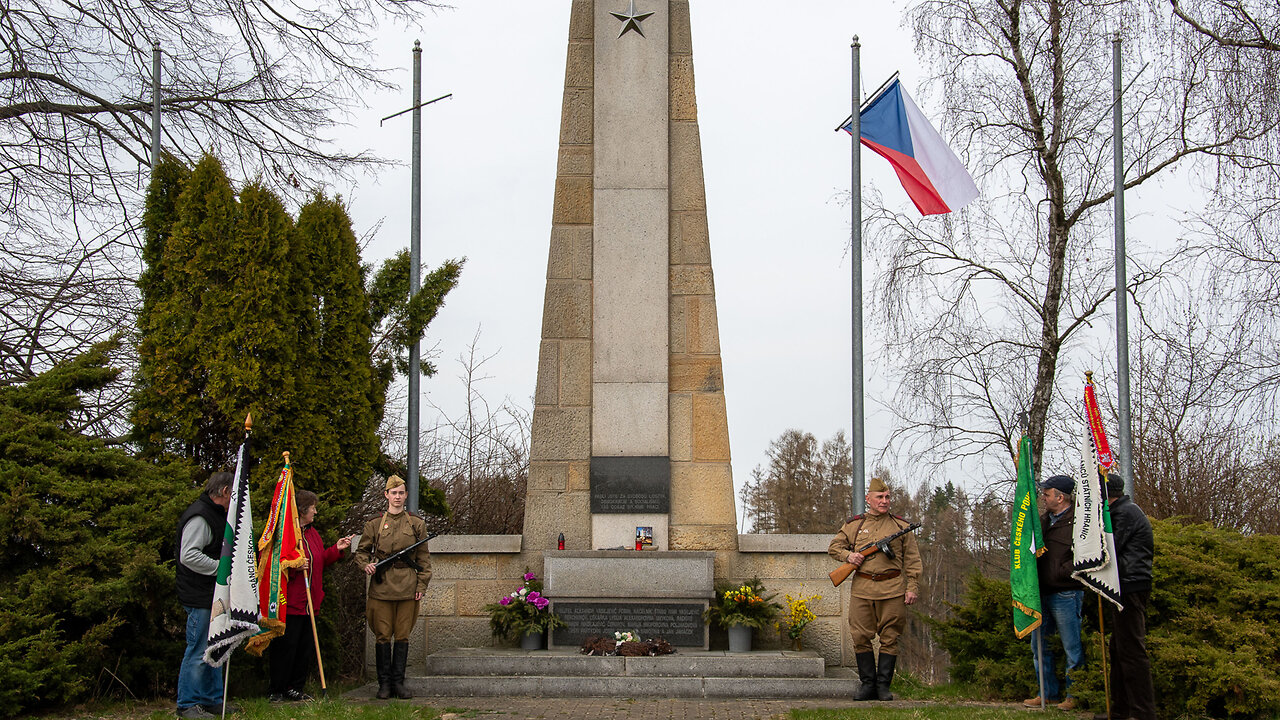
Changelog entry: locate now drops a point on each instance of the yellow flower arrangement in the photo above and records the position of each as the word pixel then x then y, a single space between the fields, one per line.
pixel 745 604
pixel 797 616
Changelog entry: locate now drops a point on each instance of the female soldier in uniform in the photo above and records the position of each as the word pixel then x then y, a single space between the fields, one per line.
pixel 392 606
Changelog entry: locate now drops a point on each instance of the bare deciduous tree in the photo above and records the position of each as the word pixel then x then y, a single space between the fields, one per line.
pixel 805 487
pixel 256 83
pixel 479 458
pixel 984 308
pixel 1203 437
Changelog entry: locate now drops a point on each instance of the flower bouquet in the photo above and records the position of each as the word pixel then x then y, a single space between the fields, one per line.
pixel 797 616
pixel 744 605
pixel 522 612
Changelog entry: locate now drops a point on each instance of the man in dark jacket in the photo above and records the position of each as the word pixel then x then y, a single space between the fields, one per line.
pixel 1061 596
pixel 199 545
pixel 1132 694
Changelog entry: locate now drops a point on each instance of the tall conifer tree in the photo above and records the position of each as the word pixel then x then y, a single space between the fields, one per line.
pixel 176 413
pixel 246 311
pixel 152 424
pixel 335 336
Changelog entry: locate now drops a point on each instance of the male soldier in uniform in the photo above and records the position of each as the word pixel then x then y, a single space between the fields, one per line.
pixel 392 606
pixel 880 589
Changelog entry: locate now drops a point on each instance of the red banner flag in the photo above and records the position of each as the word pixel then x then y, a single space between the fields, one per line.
pixel 279 549
pixel 1105 458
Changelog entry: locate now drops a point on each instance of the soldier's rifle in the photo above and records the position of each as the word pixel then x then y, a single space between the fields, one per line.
pixel 380 568
pixel 843 572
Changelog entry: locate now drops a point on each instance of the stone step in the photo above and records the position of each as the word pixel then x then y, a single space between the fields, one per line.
pixel 833 686
pixel 568 664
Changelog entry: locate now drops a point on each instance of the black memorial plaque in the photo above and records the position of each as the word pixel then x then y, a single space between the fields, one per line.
pixel 630 485
pixel 678 623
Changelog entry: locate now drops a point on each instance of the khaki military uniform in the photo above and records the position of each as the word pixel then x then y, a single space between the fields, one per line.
pixel 391 607
pixel 878 588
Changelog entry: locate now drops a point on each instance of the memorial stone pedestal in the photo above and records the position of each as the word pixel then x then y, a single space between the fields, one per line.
pixel 654 593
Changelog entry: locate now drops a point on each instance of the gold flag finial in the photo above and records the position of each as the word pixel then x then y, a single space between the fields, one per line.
pixel 248 422
pixel 286 458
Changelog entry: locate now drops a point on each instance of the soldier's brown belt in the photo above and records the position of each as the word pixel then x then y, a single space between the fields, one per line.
pixel 878 576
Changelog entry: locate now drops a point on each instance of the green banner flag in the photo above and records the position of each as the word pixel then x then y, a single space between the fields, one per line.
pixel 1025 545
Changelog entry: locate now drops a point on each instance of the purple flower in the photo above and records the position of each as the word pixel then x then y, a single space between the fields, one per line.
pixel 541 603
pixel 533 596
pixel 506 600
pixel 530 576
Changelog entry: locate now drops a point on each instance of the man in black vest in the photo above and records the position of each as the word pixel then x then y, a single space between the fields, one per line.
pixel 199 545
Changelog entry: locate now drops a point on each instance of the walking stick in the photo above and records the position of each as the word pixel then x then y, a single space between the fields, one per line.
pixel 1106 676
pixel 315 637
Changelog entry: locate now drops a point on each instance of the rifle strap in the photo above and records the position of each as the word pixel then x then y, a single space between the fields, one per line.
pixel 382 525
pixel 853 541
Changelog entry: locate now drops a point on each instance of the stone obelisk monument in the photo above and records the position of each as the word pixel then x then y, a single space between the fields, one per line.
pixel 629 424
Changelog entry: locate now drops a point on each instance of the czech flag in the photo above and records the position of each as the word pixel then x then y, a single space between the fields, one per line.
pixel 931 174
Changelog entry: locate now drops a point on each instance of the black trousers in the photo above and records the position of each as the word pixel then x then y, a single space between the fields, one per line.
pixel 292 655
pixel 1132 694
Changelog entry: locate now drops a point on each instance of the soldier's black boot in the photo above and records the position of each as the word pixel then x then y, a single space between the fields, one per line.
pixel 399 658
pixel 866 676
pixel 382 655
pixel 884 676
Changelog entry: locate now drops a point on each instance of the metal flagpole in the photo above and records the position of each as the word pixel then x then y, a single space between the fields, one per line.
pixel 1122 297
pixel 1106 675
pixel 415 268
pixel 859 430
pixel 415 275
pixel 155 105
pixel 1037 636
pixel 226 682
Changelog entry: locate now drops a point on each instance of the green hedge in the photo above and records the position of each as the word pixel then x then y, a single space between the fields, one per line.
pixel 86 591
pixel 1213 629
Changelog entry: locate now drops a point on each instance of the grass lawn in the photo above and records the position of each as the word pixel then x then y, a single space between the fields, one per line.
pixel 932 712
pixel 260 709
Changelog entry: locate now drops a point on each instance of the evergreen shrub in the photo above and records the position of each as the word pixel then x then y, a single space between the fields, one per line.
pixel 87 604
pixel 1213 629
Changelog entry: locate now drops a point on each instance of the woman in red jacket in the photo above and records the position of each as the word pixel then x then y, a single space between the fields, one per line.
pixel 293 655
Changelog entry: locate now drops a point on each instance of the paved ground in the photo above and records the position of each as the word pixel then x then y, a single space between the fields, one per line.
pixel 550 708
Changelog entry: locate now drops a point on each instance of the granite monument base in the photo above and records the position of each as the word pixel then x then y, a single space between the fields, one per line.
pixel 655 593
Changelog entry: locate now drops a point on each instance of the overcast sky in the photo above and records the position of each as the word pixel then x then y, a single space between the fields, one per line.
pixel 773 80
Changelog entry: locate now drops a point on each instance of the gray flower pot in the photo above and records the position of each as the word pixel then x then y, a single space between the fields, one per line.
pixel 739 638
pixel 531 640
